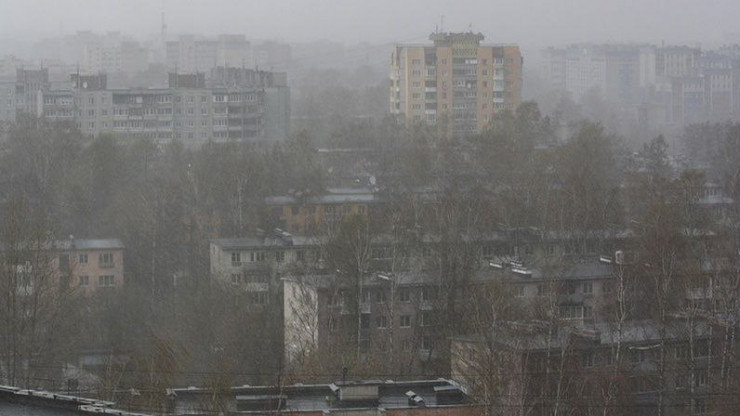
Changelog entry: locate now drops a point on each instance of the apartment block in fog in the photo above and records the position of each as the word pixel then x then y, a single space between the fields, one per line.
pixel 457 83
pixel 235 104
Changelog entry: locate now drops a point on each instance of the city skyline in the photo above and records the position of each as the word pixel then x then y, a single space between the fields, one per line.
pixel 532 24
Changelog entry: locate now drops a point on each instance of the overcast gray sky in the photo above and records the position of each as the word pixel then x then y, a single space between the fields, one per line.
pixel 528 22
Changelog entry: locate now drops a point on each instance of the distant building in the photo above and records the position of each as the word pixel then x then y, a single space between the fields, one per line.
pixel 241 105
pixel 114 56
pixel 92 265
pixel 272 56
pixel 530 361
pixel 189 54
pixel 656 86
pixel 310 214
pixel 579 289
pixel 457 84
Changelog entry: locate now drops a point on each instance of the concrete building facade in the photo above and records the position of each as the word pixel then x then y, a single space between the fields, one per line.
pixel 254 106
pixel 457 84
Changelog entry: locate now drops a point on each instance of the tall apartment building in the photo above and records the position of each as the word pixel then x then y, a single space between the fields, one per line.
pixel 189 54
pixel 457 84
pixel 240 104
pixel 113 57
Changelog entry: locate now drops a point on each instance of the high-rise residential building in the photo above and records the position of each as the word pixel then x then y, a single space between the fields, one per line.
pixel 457 83
pixel 239 104
pixel 189 54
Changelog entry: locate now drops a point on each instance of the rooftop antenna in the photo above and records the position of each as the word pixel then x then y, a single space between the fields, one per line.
pixel 163 27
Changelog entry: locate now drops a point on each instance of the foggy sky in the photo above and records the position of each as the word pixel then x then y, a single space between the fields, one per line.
pixel 527 22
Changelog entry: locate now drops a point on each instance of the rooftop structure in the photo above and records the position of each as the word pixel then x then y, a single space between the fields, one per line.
pixel 21 402
pixel 389 397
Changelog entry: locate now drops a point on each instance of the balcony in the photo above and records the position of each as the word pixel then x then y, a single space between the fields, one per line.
pixel 106 265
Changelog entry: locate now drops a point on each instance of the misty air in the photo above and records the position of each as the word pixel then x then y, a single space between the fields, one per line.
pixel 379 208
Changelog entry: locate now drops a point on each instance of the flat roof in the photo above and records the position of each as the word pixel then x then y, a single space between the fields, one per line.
pixel 313 397
pixel 89 244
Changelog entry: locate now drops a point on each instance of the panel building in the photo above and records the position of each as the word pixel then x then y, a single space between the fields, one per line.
pixel 236 104
pixel 457 84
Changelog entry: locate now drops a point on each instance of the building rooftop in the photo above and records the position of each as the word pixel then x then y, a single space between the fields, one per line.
pixel 267 242
pixel 581 269
pixel 533 336
pixel 20 402
pixel 89 244
pixel 361 395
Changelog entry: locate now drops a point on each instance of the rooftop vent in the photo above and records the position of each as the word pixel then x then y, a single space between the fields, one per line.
pixel 414 399
pixel 358 393
pixel 448 394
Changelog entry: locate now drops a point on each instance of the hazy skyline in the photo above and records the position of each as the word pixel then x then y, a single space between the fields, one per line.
pixel 526 22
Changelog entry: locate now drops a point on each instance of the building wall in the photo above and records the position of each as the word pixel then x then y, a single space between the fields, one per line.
pixel 192 115
pixel 90 270
pixel 457 84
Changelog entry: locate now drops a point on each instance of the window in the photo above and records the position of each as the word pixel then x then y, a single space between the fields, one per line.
pixel 700 378
pixel 365 321
pixel 365 296
pixel 105 281
pixel 260 298
pixel 404 295
pixel 428 294
pixel 543 290
pixel 64 262
pixel 427 343
pixel 588 287
pixel 279 256
pixel 700 406
pixel 381 322
pixel 405 321
pixel 425 319
pixel 588 360
pixel 300 255
pixel 236 258
pixel 84 280
pixel 235 278
pixel 680 382
pixel 105 260
pixel 379 296
pixel 519 291
pixel 257 256
pixel 407 345
pixel 701 348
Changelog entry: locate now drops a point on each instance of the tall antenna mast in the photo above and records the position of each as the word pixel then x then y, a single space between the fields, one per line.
pixel 163 27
